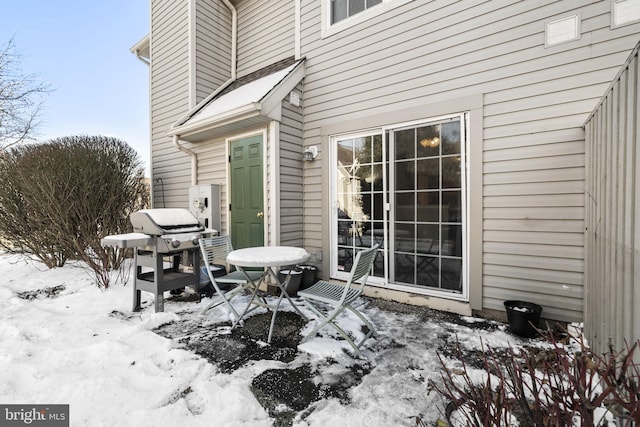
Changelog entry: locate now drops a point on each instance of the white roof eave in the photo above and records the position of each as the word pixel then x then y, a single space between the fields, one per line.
pixel 194 127
pixel 282 89
pixel 142 47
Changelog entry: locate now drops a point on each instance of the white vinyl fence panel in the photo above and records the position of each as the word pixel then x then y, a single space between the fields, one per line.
pixel 612 270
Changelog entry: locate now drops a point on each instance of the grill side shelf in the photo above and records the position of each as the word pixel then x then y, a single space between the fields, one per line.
pixel 129 240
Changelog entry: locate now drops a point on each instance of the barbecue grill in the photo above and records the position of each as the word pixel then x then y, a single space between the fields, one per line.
pixel 161 235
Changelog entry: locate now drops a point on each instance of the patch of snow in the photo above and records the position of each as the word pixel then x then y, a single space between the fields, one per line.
pixel 470 319
pixel 170 216
pixel 85 348
pixel 244 96
pixel 152 321
pixel 267 256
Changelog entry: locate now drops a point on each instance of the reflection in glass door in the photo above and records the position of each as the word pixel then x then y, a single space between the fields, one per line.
pixel 427 193
pixel 359 199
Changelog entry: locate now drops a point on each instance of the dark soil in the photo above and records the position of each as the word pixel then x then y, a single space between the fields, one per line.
pixel 429 314
pixel 230 349
pixel 285 392
pixel 282 392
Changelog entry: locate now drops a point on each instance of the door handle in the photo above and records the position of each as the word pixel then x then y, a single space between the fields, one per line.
pixel 260 214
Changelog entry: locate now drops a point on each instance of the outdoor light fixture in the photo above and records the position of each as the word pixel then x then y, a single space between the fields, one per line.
pixel 310 153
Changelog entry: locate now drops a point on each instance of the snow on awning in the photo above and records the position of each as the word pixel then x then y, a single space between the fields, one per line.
pixel 251 100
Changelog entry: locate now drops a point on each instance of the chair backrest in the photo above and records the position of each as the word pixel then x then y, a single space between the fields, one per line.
pixel 215 249
pixel 362 266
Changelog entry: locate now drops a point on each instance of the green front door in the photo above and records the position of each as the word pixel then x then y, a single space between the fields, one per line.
pixel 247 196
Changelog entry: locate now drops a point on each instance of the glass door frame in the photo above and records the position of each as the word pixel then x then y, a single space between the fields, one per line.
pixel 387 175
pixel 389 220
pixel 333 185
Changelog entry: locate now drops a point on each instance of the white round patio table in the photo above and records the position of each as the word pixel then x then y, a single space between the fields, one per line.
pixel 269 257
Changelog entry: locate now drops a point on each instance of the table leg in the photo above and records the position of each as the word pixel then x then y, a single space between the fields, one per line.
pixel 283 293
pixel 275 311
pixel 254 292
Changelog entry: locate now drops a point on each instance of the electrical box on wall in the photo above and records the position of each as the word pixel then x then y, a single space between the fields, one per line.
pixel 204 203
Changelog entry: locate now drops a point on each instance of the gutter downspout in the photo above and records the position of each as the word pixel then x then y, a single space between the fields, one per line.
pixel 144 43
pixel 194 159
pixel 141 58
pixel 234 40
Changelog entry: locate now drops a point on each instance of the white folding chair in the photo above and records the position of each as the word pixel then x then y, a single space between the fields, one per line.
pixel 340 297
pixel 214 253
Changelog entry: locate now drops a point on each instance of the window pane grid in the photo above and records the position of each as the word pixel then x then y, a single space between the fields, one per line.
pixel 359 197
pixel 343 9
pixel 427 206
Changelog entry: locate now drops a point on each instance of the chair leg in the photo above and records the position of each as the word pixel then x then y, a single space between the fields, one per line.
pixel 246 309
pixel 227 302
pixel 341 331
pixel 315 330
pixel 230 310
pixel 369 325
pixel 347 338
pixel 329 320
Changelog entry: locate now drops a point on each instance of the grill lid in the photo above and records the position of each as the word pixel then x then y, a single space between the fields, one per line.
pixel 158 222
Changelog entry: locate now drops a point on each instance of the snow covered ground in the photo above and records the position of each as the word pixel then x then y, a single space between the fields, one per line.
pixel 84 347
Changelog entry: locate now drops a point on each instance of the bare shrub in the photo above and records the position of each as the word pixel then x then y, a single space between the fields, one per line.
pixel 58 199
pixel 558 389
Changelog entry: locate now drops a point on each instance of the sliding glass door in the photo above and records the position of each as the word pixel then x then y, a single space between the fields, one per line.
pixel 405 187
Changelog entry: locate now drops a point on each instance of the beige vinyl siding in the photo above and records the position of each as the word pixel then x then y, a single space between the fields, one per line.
pixel 613 207
pixel 316 224
pixel 212 169
pixel 169 93
pixel 170 79
pixel 213 47
pixel 265 33
pixel 535 101
pixel 316 178
pixel 291 185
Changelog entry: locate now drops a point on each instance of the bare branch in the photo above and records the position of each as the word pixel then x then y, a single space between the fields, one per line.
pixel 20 99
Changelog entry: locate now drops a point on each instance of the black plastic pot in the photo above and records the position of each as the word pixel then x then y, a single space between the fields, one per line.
pixel 294 281
pixel 217 270
pixel 523 317
pixel 308 275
